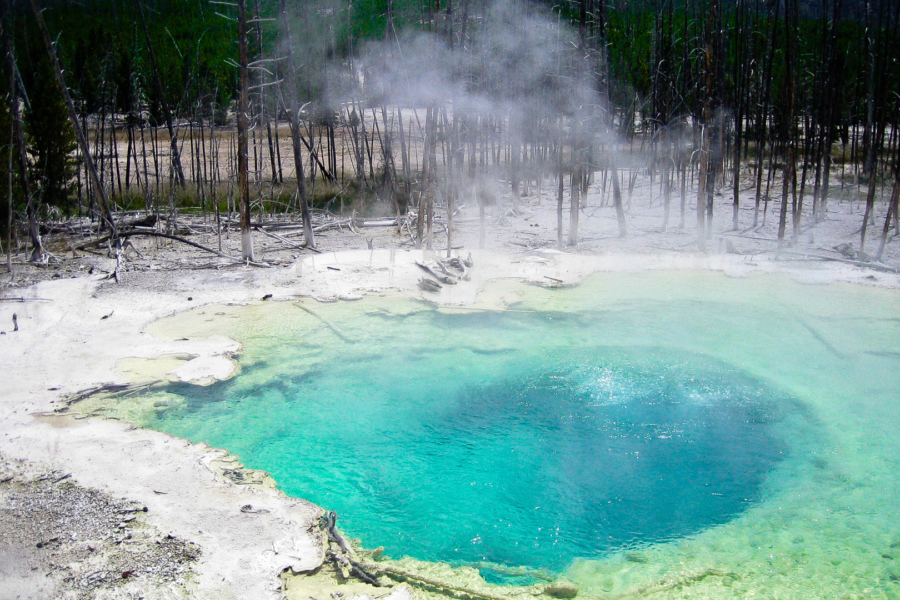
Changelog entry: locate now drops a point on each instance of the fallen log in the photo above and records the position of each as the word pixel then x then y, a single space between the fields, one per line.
pixel 429 583
pixel 134 233
pixel 377 223
pixel 448 279
pixel 274 236
pixel 332 224
pixel 111 388
pixel 194 244
pixel 858 263
pixel 458 264
pixel 345 560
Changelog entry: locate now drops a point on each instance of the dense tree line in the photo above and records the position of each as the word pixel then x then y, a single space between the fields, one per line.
pixel 786 88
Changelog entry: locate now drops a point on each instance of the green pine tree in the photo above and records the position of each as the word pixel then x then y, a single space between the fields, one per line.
pixel 49 135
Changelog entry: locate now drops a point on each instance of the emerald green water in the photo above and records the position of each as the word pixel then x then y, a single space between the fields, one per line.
pixel 741 435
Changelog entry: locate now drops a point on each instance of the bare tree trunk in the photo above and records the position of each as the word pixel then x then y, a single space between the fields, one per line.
pixel 173 136
pixel 294 120
pixel 429 173
pixel 242 126
pixel 574 202
pixel 617 198
pixel 702 187
pixel 763 110
pixel 667 191
pixel 559 201
pixel 452 163
pixel 404 155
pixel 12 136
pixel 871 158
pixel 9 204
pixel 789 175
pixel 892 209
pixel 37 247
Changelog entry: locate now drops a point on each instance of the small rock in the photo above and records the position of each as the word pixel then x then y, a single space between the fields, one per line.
pixel 561 589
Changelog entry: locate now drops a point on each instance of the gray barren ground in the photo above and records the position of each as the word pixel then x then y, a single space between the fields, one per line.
pixel 59 539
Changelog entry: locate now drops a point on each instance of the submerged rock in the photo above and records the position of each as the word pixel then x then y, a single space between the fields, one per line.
pixel 561 589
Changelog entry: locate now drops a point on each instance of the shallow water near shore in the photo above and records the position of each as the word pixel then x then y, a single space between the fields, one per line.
pixel 656 434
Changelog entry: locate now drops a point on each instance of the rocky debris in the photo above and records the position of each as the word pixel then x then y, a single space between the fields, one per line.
pixel 561 589
pixel 59 539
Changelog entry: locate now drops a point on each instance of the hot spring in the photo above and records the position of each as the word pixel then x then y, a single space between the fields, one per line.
pixel 668 434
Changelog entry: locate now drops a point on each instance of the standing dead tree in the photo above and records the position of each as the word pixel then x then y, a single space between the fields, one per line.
pixel 173 135
pixel 18 142
pixel 293 108
pixel 789 177
pixel 606 86
pixel 243 124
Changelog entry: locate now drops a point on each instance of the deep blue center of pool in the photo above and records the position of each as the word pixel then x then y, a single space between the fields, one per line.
pixel 499 456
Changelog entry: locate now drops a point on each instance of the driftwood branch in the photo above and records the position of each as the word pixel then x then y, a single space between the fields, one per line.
pixel 448 279
pixel 106 388
pixel 419 580
pixel 857 263
pixel 345 560
pixel 129 234
pixel 194 244
pixel 284 241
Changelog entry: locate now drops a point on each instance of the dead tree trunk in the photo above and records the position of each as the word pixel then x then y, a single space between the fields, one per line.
pixel 617 199
pixel 702 187
pixel 574 202
pixel 559 199
pixel 9 205
pixel 790 162
pixel 294 120
pixel 173 136
pixel 870 134
pixel 9 156
pixel 37 251
pixel 607 83
pixel 242 127
pixel 892 209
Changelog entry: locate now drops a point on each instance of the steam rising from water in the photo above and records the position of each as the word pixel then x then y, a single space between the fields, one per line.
pixel 518 59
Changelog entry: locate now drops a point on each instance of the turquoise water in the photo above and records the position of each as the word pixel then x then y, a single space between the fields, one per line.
pixel 646 420
pixel 568 453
